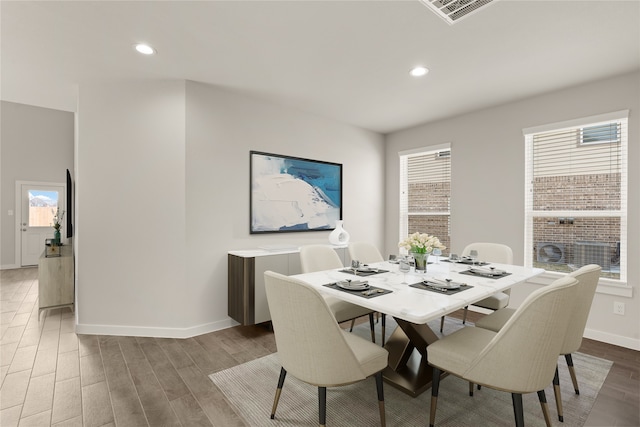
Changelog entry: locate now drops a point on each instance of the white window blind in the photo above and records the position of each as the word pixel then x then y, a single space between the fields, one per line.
pixel 425 181
pixel 576 195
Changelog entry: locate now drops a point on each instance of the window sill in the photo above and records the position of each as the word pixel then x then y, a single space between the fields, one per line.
pixel 605 286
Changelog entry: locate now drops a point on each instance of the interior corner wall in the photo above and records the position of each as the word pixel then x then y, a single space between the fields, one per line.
pixel 36 144
pixel 130 211
pixel 487 172
pixel 222 127
pixel 163 195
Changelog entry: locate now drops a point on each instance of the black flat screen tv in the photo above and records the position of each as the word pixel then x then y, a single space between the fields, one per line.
pixel 69 200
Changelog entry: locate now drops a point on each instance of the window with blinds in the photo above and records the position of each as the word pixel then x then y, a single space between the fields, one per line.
pixel 425 192
pixel 576 195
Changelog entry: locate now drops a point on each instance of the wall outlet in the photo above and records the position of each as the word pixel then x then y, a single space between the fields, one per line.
pixel 618 308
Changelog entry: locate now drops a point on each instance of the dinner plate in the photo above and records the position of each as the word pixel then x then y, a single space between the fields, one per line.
pixel 441 284
pixel 463 260
pixel 487 271
pixel 353 285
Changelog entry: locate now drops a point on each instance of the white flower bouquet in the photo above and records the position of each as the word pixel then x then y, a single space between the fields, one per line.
pixel 421 243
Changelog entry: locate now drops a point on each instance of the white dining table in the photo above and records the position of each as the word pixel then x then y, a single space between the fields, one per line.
pixel 412 308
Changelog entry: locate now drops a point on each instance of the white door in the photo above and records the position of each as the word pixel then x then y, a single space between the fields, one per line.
pixel 38 205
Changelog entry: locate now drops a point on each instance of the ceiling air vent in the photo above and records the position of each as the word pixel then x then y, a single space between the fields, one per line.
pixel 453 11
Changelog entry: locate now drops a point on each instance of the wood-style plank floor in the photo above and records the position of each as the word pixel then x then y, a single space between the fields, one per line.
pixel 51 376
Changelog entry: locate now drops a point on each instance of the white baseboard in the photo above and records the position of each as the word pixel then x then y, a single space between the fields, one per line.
pixel 619 340
pixel 9 266
pixel 144 331
pixel 592 334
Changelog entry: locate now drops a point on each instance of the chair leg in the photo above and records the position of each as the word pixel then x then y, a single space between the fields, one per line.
pixel 470 389
pixel 464 315
pixel 558 395
pixel 373 327
pixel 572 372
pixel 435 385
pixel 518 410
pixel 353 323
pixel 322 405
pixel 380 390
pixel 545 409
pixel 384 327
pixel 441 324
pixel 283 375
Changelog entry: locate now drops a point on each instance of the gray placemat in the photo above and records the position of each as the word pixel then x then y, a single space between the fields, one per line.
pixel 363 293
pixel 423 286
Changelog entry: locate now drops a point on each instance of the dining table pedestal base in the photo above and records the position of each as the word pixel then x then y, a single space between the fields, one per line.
pixel 408 368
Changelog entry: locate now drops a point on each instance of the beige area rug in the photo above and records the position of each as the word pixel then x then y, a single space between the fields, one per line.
pixel 250 389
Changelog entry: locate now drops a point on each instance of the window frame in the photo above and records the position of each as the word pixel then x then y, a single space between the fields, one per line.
pixel 404 213
pixel 616 286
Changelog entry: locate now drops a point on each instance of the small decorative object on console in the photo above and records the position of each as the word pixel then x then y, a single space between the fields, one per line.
pixel 51 249
pixel 339 236
pixel 57 224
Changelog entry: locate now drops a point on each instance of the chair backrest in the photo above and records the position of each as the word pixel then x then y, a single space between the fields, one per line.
pixel 364 252
pixel 522 356
pixel 587 277
pixel 491 252
pixel 318 258
pixel 311 346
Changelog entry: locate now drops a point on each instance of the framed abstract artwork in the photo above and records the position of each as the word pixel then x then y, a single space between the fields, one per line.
pixel 294 194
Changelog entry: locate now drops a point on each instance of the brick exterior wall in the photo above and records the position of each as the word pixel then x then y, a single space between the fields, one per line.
pixel 590 192
pixel 428 197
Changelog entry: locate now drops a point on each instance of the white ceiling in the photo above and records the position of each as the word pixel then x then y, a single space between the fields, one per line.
pixel 346 60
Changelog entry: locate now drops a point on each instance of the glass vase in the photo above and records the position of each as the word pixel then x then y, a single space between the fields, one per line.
pixel 421 261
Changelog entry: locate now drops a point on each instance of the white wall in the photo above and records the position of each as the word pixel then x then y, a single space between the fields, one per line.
pixel 163 189
pixel 222 127
pixel 488 160
pixel 36 144
pixel 130 210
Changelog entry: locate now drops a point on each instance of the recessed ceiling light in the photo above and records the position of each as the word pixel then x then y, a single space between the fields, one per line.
pixel 145 49
pixel 419 71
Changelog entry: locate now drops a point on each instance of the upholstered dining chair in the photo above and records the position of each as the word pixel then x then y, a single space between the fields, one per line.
pixel 367 253
pixel 587 277
pixel 490 252
pixel 323 257
pixel 520 358
pixel 313 348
